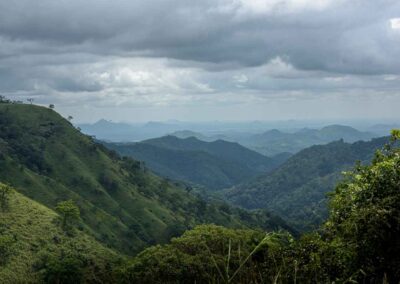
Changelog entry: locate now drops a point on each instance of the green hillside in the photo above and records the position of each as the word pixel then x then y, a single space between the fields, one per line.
pixel 297 189
pixel 122 204
pixel 33 248
pixel 216 165
pixel 359 243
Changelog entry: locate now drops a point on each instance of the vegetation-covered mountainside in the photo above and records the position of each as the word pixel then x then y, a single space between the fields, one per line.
pixel 34 248
pixel 297 189
pixel 122 204
pixel 274 141
pixel 358 244
pixel 183 134
pixel 216 165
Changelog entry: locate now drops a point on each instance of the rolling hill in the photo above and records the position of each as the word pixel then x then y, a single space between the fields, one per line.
pixel 216 165
pixel 122 204
pixel 297 189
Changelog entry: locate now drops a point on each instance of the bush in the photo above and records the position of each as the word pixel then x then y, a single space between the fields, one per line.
pixel 5 191
pixel 6 247
pixel 63 269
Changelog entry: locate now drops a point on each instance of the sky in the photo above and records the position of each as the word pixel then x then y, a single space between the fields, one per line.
pixel 144 60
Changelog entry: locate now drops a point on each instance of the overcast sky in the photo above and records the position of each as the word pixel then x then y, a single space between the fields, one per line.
pixel 204 60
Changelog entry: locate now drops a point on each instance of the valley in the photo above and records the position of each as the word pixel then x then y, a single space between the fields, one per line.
pixel 157 199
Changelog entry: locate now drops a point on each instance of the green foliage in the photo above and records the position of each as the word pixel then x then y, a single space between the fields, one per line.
pixel 297 189
pixel 365 215
pixel 395 134
pixel 5 191
pixel 200 255
pixel 213 254
pixel 6 247
pixel 69 213
pixel 63 269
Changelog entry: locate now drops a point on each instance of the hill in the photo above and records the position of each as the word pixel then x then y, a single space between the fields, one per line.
pixel 34 249
pixel 216 165
pixel 297 189
pixel 122 204
pixel 183 134
pixel 273 142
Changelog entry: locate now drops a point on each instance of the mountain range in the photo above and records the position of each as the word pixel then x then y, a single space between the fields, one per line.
pixel 274 141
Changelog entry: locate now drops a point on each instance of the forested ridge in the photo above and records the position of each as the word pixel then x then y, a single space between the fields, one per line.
pixel 214 165
pixel 297 190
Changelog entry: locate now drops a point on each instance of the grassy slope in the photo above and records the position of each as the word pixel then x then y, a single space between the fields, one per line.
pixel 36 235
pixel 121 204
pixel 297 189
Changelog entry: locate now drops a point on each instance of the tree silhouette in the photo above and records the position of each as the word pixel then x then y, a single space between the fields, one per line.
pixel 69 213
pixel 5 191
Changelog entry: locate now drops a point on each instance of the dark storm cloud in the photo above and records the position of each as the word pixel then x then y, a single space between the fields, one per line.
pixel 347 36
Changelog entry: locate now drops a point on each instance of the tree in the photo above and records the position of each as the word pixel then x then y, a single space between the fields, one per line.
pixel 70 117
pixel 51 106
pixel 69 213
pixel 365 216
pixel 5 191
pixel 30 100
pixel 68 268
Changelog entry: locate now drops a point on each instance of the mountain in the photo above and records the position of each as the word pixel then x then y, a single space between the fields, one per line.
pixel 122 204
pixel 347 133
pixel 297 189
pixel 383 129
pixel 216 165
pixel 273 142
pixel 183 134
pixel 33 247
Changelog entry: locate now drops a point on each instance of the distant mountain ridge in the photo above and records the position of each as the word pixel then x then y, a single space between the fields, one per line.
pixel 216 164
pixel 275 141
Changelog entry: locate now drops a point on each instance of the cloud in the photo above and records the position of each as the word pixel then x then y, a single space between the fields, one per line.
pixel 395 23
pixel 178 52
